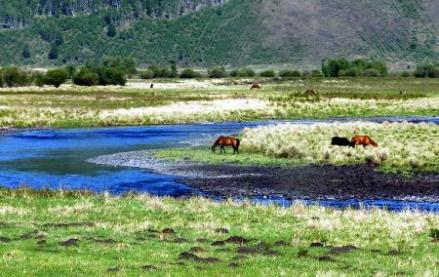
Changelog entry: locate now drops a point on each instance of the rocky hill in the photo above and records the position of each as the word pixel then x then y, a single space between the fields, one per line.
pixel 208 32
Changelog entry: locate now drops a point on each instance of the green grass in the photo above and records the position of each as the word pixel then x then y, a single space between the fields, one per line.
pixel 124 234
pixel 83 107
pixel 403 148
pixel 205 155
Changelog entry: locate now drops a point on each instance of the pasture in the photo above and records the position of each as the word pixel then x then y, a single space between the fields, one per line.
pixel 76 233
pixel 219 100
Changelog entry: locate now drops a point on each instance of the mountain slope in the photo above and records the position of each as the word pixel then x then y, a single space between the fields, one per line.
pixel 234 32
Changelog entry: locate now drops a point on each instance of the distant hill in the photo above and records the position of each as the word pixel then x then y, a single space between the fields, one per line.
pixel 210 32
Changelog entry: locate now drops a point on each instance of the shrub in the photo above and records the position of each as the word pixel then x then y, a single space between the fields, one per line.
pixel 86 77
pixel 216 72
pixel 234 73
pixel 289 73
pixel 316 73
pixel 13 76
pixel 405 74
pixel 189 73
pixel 246 72
pixel 147 74
pixel 358 67
pixel 267 73
pixel 173 73
pixel 38 79
pixel 111 76
pixel 71 70
pixel 159 71
pixel 426 70
pixel 56 77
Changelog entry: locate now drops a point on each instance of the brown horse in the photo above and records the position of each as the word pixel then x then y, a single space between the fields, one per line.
pixel 256 86
pixel 223 141
pixel 363 140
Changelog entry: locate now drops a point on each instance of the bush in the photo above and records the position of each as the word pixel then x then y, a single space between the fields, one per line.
pixel 267 73
pixel 159 71
pixel 316 73
pixel 147 74
pixel 71 70
pixel 289 73
pixel 426 70
pixel 246 72
pixel 405 74
pixel 86 77
pixel 216 72
pixel 189 73
pixel 38 79
pixel 111 76
pixel 56 77
pixel 12 77
pixel 358 67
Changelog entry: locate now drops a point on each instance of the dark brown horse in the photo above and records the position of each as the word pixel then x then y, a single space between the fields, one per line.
pixel 223 141
pixel 255 86
pixel 363 140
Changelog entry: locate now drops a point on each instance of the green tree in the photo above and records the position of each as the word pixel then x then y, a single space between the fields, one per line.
pixel 85 77
pixel 53 52
pixel 189 73
pixel 267 73
pixel 56 77
pixel 216 72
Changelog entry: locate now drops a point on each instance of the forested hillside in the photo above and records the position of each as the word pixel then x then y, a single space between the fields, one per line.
pixel 208 32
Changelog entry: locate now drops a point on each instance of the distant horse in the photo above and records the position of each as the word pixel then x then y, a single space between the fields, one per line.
pixel 151 86
pixel 223 141
pixel 311 92
pixel 363 140
pixel 340 141
pixel 255 86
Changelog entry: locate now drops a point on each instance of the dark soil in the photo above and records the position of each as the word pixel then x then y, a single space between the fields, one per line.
pixel 342 249
pixel 237 240
pixel 168 231
pixel 311 182
pixel 221 230
pixel 67 225
pixel 187 256
pixel 5 239
pixel 69 242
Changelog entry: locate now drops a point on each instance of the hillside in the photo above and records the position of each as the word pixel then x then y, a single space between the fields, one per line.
pixel 207 32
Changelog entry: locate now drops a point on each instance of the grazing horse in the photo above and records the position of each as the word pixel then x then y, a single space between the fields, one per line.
pixel 223 141
pixel 341 142
pixel 363 140
pixel 256 86
pixel 311 92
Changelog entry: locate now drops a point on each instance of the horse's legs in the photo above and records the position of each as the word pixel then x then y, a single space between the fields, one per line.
pixel 223 150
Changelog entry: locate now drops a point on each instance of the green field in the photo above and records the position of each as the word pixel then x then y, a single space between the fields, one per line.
pixel 403 148
pixel 59 233
pixel 206 100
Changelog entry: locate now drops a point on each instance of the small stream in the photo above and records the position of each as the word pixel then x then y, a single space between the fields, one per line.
pixel 56 158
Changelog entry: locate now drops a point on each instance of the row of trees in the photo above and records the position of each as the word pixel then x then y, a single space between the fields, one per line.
pixel 358 67
pixel 155 71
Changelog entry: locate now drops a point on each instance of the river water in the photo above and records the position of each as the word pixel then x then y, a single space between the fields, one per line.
pixel 57 158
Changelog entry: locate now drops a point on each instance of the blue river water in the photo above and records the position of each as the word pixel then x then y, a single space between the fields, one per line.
pixel 56 158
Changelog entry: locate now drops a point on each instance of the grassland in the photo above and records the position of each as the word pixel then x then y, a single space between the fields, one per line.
pixel 205 100
pixel 403 147
pixel 50 233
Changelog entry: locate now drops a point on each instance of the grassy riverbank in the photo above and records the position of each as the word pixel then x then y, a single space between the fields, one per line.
pixel 220 100
pixel 403 147
pixel 56 233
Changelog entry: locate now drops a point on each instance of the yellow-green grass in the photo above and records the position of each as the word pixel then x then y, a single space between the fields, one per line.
pixel 403 148
pixel 72 106
pixel 116 235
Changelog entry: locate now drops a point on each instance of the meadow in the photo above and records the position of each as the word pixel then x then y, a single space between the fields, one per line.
pixel 45 233
pixel 223 100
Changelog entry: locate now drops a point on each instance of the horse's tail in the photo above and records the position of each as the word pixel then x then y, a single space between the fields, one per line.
pixel 373 143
